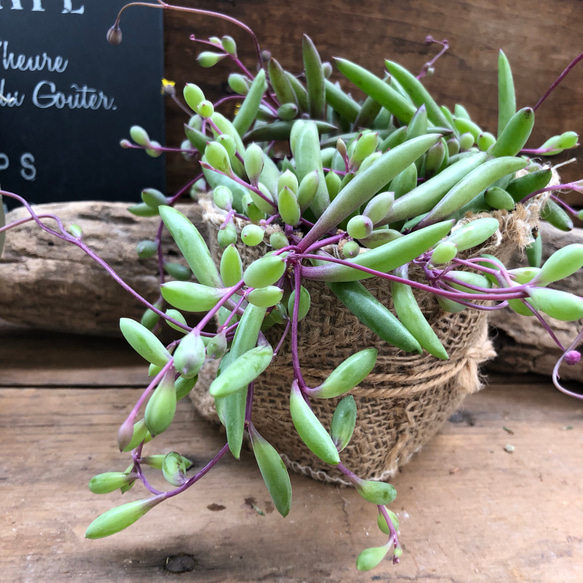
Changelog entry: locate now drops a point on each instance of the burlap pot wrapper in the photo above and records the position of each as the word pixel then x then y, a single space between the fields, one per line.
pixel 406 398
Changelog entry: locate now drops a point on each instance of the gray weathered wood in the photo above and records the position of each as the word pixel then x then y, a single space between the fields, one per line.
pixel 50 284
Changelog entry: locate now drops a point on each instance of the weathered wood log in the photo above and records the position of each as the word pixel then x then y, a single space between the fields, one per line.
pixel 523 345
pixel 52 285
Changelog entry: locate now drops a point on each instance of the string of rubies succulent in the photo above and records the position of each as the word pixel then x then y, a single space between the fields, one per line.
pixel 387 180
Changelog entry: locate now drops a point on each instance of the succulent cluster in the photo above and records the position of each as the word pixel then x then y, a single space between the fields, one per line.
pixel 347 190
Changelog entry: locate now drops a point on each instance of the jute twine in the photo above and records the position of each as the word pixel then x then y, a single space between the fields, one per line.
pixel 406 398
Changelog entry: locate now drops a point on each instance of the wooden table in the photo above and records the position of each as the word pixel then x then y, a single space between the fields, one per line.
pixel 470 511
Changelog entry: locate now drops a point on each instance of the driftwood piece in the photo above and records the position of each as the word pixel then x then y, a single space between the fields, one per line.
pixel 522 344
pixel 52 285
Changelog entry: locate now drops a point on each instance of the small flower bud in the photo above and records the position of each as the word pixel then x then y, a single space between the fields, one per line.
pixel 327 69
pixel 76 231
pixel 114 35
pixel 572 357
pixel 153 197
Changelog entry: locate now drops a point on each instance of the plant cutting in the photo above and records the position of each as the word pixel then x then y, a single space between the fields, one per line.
pixel 392 212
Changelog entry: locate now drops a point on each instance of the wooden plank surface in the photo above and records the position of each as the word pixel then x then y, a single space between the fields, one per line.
pixel 470 511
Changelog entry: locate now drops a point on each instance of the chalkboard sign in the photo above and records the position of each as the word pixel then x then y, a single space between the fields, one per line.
pixel 68 97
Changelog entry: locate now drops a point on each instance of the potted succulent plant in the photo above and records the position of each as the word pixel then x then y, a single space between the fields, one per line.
pixel 354 250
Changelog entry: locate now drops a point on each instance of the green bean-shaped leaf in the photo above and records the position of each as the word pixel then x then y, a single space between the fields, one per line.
pixel 189 355
pixel 306 150
pixel 418 124
pixel 506 95
pixel 265 297
pixel 472 185
pixel 144 342
pixel 474 233
pixel 556 303
pixel 314 78
pixel 280 130
pixel 225 126
pixel 561 264
pixel 190 296
pixel 273 471
pixel 515 134
pixel 371 557
pixel 109 482
pixel 412 317
pixel 250 106
pixel 161 406
pixel 368 112
pixel 231 267
pixel 555 215
pixel 310 429
pixel 265 271
pixel 192 246
pixel 241 371
pixel 231 409
pixel 377 317
pixel 529 183
pixel 300 91
pixel 174 468
pixel 534 251
pixel 120 517
pixel 343 422
pixel 280 83
pixel 340 102
pixel 377 89
pixel 347 374
pixel 379 493
pixel 418 93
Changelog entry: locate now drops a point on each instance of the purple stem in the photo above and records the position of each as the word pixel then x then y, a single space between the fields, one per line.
pixel 444 47
pixel 311 272
pixel 201 12
pixel 294 328
pixel 558 80
pixel 199 474
pixel 557 366
pixel 282 339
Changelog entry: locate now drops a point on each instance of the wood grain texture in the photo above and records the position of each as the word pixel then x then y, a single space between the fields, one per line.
pixel 539 40
pixel 469 511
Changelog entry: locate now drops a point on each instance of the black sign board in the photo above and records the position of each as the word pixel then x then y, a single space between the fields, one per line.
pixel 67 98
